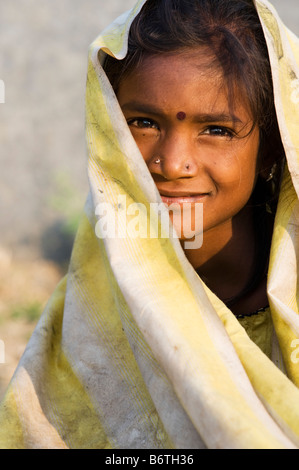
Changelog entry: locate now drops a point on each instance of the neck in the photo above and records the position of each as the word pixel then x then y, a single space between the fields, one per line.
pixel 226 258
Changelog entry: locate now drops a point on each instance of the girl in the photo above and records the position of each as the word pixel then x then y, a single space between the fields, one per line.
pixel 224 148
pixel 159 342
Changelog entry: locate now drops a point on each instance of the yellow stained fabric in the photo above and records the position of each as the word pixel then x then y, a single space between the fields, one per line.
pixel 133 350
pixel 259 328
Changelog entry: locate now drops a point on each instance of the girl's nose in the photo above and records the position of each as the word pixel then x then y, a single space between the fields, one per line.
pixel 173 159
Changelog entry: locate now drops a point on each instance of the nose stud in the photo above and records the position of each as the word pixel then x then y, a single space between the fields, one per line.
pixel 157 161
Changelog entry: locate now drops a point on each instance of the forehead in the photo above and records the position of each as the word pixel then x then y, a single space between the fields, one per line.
pixel 183 81
pixel 189 63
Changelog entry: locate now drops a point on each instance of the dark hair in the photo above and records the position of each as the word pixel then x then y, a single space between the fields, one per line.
pixel 229 28
pixel 233 33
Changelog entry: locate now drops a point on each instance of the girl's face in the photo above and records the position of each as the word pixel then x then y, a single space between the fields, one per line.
pixel 196 147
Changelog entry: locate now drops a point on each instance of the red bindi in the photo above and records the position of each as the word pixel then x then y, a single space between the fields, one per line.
pixel 181 116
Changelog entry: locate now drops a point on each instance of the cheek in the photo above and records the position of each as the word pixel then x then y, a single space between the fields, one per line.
pixel 226 172
pixel 146 144
pixel 238 167
pixel 235 180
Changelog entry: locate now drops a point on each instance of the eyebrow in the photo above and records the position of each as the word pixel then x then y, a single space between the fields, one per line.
pixel 200 117
pixel 217 117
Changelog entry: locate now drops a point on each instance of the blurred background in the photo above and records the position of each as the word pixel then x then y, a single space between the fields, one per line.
pixel 43 180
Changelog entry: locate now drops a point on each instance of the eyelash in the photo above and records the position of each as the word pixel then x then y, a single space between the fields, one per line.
pixel 142 120
pixel 225 131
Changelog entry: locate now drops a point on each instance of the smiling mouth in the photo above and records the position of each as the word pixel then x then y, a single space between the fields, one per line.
pixel 181 199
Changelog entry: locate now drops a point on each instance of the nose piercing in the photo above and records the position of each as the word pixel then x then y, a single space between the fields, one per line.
pixel 158 161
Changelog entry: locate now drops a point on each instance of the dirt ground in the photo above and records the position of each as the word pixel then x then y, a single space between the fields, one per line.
pixel 25 287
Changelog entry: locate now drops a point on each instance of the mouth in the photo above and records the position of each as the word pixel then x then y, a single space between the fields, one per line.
pixel 181 198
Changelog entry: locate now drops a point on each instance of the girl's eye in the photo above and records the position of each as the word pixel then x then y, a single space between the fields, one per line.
pixel 143 123
pixel 219 131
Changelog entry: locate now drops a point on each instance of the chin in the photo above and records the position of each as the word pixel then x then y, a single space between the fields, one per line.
pixel 187 225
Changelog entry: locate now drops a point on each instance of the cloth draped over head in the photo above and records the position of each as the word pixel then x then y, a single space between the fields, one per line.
pixel 133 350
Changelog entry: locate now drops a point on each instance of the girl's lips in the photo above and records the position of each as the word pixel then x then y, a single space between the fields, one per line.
pixel 183 199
